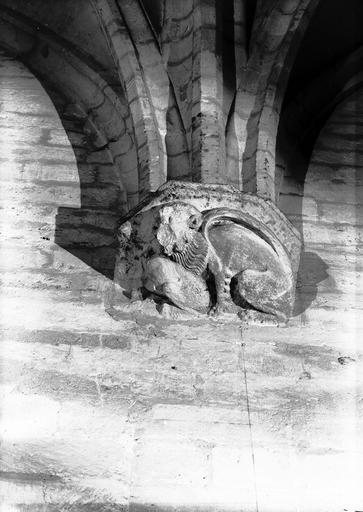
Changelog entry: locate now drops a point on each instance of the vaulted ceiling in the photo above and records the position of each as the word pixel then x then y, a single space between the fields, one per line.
pixel 191 90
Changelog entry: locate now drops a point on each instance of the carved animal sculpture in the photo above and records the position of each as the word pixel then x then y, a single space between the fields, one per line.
pixel 145 259
pixel 176 272
pixel 250 266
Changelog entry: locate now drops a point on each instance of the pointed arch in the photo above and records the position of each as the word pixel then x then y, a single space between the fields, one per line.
pixel 55 61
pixel 275 40
pixel 148 90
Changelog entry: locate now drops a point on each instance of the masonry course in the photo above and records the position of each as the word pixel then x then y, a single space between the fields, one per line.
pixel 111 408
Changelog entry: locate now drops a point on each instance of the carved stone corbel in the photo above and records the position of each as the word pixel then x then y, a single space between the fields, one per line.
pixel 210 249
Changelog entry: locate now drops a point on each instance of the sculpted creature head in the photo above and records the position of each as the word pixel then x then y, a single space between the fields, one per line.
pixel 179 223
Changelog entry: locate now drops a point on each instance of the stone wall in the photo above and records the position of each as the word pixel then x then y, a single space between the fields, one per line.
pixel 327 208
pixel 104 410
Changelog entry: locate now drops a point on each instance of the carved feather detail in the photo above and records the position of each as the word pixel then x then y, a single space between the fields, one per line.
pixel 195 255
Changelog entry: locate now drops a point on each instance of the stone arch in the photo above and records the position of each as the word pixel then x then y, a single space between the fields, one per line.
pixel 306 114
pixel 276 37
pixel 162 145
pixel 39 175
pixel 107 165
pixel 315 92
pixel 331 203
pixel 55 62
pixel 327 69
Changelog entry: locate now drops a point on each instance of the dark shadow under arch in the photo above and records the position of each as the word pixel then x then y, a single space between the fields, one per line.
pixel 96 119
pixel 88 232
pixel 323 75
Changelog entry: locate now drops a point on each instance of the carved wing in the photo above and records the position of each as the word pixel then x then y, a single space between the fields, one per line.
pixel 219 215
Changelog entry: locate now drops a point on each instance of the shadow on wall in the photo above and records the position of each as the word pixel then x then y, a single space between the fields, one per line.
pixel 312 271
pixel 325 72
pixel 312 268
pixel 89 232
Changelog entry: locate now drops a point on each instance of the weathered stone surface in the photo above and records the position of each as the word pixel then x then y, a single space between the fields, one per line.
pixel 210 247
pixel 109 406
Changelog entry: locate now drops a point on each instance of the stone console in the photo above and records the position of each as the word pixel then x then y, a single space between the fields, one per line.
pixel 210 249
